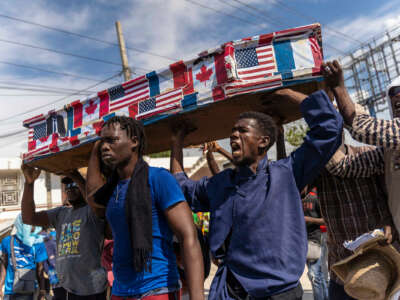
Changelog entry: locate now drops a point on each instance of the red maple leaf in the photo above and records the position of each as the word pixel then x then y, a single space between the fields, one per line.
pixel 91 107
pixel 204 74
pixel 43 139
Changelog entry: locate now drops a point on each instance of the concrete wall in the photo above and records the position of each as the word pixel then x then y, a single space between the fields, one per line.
pixel 11 166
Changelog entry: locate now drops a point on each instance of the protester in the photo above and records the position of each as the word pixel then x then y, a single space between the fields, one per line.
pixel 22 253
pixel 144 206
pixel 313 219
pixel 378 132
pixel 80 235
pixel 257 222
pixel 352 199
pixel 49 265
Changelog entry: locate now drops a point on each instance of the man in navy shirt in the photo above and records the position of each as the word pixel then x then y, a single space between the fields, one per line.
pixel 144 207
pixel 257 224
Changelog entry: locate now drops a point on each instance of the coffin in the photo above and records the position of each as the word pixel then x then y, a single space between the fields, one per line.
pixel 209 91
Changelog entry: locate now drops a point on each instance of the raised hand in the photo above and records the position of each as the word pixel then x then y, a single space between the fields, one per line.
pixel 333 74
pixel 30 174
pixel 211 147
pixel 180 130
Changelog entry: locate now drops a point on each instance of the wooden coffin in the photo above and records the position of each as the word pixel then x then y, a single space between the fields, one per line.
pixel 209 92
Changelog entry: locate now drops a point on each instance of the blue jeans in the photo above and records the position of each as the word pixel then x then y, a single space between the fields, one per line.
pixel 317 278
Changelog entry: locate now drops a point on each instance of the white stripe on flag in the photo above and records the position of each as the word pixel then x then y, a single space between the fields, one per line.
pixel 239 87
pixel 266 67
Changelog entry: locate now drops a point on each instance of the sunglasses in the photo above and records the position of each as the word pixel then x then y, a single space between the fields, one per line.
pixel 394 91
pixel 70 185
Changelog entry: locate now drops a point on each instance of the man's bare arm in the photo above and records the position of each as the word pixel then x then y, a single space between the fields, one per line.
pixel 94 180
pixel 311 220
pixel 333 74
pixel 28 207
pixel 41 280
pixel 176 162
pixel 180 219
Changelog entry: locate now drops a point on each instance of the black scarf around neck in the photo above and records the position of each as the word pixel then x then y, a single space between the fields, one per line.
pixel 138 210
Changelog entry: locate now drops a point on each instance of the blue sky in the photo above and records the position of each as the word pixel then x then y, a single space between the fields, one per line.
pixel 171 29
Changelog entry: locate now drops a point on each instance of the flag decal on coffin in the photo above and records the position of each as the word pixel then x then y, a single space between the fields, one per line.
pixel 243 67
pixel 129 92
pixel 160 104
pixel 255 63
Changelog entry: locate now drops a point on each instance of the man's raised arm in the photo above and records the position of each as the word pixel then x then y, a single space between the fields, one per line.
pixel 28 208
pixel 323 138
pixel 94 180
pixel 194 191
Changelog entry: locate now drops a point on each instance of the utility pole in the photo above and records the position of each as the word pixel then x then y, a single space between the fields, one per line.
pixel 125 67
pixel 47 180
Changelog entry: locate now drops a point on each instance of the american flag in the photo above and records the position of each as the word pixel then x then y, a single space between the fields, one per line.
pixel 160 104
pixel 255 63
pixel 242 87
pixel 129 92
pixel 40 131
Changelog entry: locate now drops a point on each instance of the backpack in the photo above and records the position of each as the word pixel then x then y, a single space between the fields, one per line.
pixel 24 279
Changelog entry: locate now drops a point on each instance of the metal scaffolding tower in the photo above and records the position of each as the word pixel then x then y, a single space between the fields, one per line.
pixel 370 68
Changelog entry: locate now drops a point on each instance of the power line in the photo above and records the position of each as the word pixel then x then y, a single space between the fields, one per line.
pixel 269 20
pixel 60 52
pixel 301 14
pixel 36 95
pixel 258 11
pixel 34 90
pixel 221 12
pixel 58 100
pixel 85 36
pixel 54 88
pixel 10 134
pixel 46 71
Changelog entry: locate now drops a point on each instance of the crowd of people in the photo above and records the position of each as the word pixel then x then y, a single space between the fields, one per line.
pixel 129 232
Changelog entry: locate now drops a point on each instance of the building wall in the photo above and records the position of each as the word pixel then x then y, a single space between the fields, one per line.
pixel 11 189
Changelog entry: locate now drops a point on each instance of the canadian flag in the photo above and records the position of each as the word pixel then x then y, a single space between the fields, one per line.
pixel 208 75
pixel 91 110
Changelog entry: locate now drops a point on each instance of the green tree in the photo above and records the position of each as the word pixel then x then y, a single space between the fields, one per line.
pixel 295 134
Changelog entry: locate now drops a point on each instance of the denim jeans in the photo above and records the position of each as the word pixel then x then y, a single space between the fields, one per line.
pixel 317 278
pixel 324 256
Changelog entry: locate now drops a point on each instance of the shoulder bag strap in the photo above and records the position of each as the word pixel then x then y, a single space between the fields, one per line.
pixel 13 254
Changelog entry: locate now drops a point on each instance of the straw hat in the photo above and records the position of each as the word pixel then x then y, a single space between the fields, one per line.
pixel 372 272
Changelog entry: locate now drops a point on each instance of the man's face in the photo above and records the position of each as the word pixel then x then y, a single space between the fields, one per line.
pixel 246 141
pixel 116 148
pixel 74 195
pixel 394 95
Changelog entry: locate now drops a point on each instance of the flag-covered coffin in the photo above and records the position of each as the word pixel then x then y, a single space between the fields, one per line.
pixel 210 91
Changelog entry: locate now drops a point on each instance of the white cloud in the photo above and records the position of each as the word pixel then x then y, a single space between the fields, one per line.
pixel 363 27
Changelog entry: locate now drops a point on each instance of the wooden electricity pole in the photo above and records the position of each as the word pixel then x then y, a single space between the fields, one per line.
pixel 47 180
pixel 125 67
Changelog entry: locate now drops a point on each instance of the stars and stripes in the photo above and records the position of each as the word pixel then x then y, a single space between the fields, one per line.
pixel 40 131
pixel 242 87
pixel 128 93
pixel 250 65
pixel 160 104
pixel 255 63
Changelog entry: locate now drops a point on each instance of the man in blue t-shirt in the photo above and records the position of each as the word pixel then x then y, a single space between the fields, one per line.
pixel 144 207
pixel 29 254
